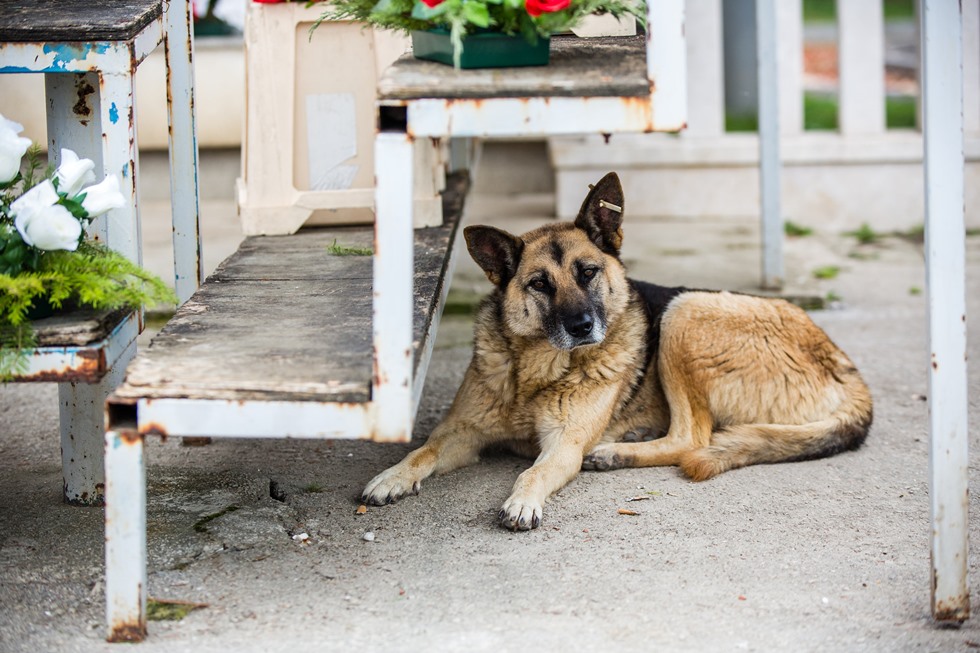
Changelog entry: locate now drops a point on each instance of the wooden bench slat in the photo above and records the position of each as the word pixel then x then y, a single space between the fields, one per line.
pixel 593 67
pixel 26 21
pixel 284 320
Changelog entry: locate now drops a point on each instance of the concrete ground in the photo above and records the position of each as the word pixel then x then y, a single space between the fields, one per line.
pixel 827 555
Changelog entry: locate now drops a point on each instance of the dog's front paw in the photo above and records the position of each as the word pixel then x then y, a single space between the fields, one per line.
pixel 390 485
pixel 520 515
pixel 603 458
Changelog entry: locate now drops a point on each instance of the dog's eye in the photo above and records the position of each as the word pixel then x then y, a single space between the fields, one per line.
pixel 588 273
pixel 538 284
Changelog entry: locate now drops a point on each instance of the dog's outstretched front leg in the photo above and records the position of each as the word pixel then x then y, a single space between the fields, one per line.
pixel 564 437
pixel 452 445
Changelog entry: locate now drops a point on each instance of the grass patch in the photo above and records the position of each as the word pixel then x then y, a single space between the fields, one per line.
pixel 900 112
pixel 973 231
pixel 833 297
pixel 313 488
pixel 790 228
pixel 461 302
pixel 746 122
pixel 157 610
pixel 864 234
pixel 827 272
pixel 819 112
pixel 825 11
pixel 915 291
pixel 348 250
pixel 201 525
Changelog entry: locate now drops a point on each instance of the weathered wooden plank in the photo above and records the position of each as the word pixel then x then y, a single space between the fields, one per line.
pixel 284 320
pixel 77 328
pixel 23 21
pixel 595 67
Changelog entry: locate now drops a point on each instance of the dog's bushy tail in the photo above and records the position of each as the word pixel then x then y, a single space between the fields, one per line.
pixel 749 444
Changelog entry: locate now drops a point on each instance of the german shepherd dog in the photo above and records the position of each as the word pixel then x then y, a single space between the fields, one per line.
pixel 572 359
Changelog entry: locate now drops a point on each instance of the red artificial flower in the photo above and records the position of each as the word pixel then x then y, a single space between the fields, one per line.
pixel 432 4
pixel 538 7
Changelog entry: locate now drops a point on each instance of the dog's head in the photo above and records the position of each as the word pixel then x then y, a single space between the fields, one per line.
pixel 563 282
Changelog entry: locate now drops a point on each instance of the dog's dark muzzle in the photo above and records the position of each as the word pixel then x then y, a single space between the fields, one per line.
pixel 578 325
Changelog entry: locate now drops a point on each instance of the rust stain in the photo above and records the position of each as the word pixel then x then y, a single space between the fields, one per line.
pixel 153 428
pixel 954 609
pixel 130 437
pixel 83 90
pixel 90 367
pixel 127 632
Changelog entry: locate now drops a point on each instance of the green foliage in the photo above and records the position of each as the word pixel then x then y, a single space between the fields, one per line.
pixel 826 10
pixel 900 112
pixel 819 111
pixel 826 272
pixel 865 234
pixel 790 228
pixel 93 276
pixel 743 122
pixel 348 250
pixel 462 17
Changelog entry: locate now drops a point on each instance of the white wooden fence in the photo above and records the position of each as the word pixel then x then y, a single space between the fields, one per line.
pixel 835 180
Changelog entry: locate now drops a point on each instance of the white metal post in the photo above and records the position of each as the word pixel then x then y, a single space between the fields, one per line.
pixel 706 98
pixel 125 536
pixel 945 275
pixel 73 109
pixel 667 62
pixel 769 162
pixel 861 43
pixel 120 157
pixel 394 255
pixel 184 193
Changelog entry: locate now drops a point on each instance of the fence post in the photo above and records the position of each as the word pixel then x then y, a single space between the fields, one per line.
pixel 942 103
pixel 861 66
pixel 769 160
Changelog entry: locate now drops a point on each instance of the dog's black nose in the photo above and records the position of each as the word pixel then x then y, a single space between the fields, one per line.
pixel 578 326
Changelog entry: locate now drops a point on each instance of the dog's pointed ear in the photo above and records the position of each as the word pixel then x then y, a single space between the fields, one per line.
pixel 496 251
pixel 601 215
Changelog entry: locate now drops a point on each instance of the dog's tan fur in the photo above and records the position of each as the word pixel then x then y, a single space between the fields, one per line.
pixel 728 380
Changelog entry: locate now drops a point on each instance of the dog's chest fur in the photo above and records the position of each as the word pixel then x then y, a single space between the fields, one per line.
pixel 524 378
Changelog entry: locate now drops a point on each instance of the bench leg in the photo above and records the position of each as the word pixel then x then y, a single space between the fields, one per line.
pixel 125 536
pixel 81 109
pixel 394 274
pixel 184 193
pixel 82 407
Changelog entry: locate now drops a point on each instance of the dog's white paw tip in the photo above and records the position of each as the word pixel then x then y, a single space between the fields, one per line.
pixel 519 517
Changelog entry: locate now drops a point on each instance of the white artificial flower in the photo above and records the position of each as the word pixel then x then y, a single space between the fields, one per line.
pixel 43 223
pixel 41 196
pixel 103 196
pixel 12 148
pixel 73 173
pixel 50 228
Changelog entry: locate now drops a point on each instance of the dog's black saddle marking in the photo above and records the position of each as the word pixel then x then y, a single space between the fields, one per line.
pixel 655 301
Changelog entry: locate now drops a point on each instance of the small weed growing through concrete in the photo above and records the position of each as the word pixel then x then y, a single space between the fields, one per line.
pixel 797 230
pixel 348 250
pixel 865 234
pixel 826 272
pixel 915 290
pixel 833 297
pixel 170 610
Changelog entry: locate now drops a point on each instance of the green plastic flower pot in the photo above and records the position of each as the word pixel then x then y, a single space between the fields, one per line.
pixel 483 49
